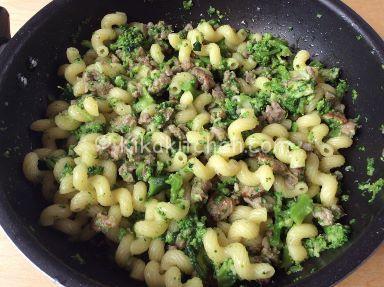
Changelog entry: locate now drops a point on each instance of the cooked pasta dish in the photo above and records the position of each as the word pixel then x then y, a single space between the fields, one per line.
pixel 207 156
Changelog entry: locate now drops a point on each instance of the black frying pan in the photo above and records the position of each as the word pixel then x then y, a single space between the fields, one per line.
pixel 326 28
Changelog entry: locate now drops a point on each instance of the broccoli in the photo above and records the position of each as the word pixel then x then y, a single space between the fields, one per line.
pixel 336 235
pixel 188 235
pixel 316 63
pixel 323 107
pixel 334 126
pixel 370 166
pixel 330 75
pixel 341 88
pixel 144 171
pixel 282 220
pixel 93 170
pixel 89 128
pixel 159 32
pixel 301 208
pixel 354 95
pixel 225 187
pixel 144 101
pixel 231 87
pixel 373 188
pixel 121 82
pixel 269 51
pixel 67 170
pixel 259 102
pixel 175 180
pixel 157 184
pixel 129 39
pixel 225 274
pixel 187 5
pixel 159 120
pixel 315 245
pixel 230 107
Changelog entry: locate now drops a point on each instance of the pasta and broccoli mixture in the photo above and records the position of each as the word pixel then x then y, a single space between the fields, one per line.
pixel 205 155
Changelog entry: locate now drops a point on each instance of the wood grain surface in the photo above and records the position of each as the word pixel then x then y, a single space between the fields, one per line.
pixel 17 271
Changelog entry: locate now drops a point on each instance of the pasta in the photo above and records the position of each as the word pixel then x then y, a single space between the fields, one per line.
pixel 201 154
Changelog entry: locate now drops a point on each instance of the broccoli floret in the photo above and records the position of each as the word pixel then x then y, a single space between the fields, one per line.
pixel 188 235
pixel 315 245
pixel 187 5
pixel 175 180
pixel 269 50
pixel 330 75
pixel 144 101
pixel 323 107
pixel 259 102
pixel 157 184
pixel 89 128
pixel 159 120
pixel 334 126
pixel 341 88
pixel 336 235
pixel 230 107
pixel 282 220
pixel 159 31
pixel 354 95
pixel 373 188
pixel 301 208
pixel 370 166
pixel 129 39
pixel 225 274
pixel 225 187
pixel 93 170
pixel 231 86
pixel 121 82
pixel 67 170
pixel 143 171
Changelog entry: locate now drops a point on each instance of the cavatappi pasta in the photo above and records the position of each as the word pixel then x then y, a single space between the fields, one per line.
pixel 201 154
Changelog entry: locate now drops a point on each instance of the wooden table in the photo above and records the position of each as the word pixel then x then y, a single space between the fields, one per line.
pixel 17 271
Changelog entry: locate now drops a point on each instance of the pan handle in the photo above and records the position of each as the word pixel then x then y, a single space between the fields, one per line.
pixel 5 33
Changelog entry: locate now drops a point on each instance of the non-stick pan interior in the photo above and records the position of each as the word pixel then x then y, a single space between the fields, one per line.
pixel 318 26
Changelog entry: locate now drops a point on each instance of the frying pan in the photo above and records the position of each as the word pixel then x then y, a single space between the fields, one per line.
pixel 328 29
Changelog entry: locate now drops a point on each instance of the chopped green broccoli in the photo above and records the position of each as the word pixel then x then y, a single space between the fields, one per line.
pixel 370 166
pixel 334 126
pixel 336 235
pixel 159 120
pixel 159 32
pixel 269 51
pixel 225 274
pixel 282 220
pixel 315 245
pixel 175 180
pixel 93 170
pixel 341 88
pixel 66 92
pixel 188 235
pixel 129 39
pixel 67 170
pixel 330 75
pixel 157 184
pixel 89 128
pixel 230 107
pixel 354 95
pixel 143 171
pixel 301 208
pixel 225 187
pixel 121 82
pixel 187 5
pixel 144 101
pixel 373 188
pixel 259 102
pixel 323 107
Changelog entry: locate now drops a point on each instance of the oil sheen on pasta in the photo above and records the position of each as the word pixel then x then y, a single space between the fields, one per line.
pixel 205 154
